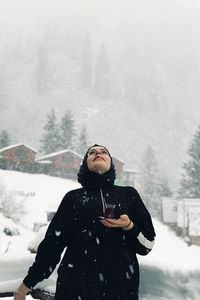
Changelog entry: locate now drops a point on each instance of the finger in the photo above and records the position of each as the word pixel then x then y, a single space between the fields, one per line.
pixel 112 221
pixel 109 224
pixel 124 217
pixel 118 222
pixel 105 222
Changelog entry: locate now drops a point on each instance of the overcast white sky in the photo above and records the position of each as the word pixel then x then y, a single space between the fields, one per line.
pixel 101 16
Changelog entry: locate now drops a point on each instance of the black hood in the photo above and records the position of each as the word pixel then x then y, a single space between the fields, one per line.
pixel 91 179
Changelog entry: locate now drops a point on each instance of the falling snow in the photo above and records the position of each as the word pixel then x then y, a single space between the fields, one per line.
pixel 101 277
pixel 127 275
pixel 131 268
pixel 57 233
pixel 85 199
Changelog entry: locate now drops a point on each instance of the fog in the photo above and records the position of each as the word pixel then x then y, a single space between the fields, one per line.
pixel 152 21
pixel 153 51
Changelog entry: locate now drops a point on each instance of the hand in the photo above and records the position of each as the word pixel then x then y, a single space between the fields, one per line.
pixel 121 222
pixel 20 293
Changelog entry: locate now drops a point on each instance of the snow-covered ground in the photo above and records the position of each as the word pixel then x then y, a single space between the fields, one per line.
pixel 39 193
pixel 170 271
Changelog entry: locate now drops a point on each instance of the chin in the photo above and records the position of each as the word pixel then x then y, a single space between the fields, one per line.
pixel 99 166
pixel 98 170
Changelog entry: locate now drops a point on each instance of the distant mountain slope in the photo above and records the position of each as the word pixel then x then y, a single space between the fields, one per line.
pixel 154 100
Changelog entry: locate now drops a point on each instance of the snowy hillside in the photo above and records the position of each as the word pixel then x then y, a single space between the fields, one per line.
pixel 39 193
pixel 170 271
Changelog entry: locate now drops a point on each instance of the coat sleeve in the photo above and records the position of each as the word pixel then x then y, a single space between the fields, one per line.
pixel 142 235
pixel 53 244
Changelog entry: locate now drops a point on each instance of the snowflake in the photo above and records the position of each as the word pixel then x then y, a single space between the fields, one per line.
pixel 50 269
pixel 131 268
pixel 101 277
pixel 57 233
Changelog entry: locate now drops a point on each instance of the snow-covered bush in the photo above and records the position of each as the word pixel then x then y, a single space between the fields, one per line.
pixel 7 226
pixel 10 206
pixel 33 244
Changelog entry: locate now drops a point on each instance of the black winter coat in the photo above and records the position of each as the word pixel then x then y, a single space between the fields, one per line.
pixel 99 262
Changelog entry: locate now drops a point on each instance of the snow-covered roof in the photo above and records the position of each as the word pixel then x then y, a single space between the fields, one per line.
pixel 56 154
pixel 44 162
pixel 131 171
pixel 15 146
pixel 183 210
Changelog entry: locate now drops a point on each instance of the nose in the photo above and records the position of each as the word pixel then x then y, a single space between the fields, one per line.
pixel 97 153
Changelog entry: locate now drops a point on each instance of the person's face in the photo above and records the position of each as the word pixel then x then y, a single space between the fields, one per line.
pixel 98 160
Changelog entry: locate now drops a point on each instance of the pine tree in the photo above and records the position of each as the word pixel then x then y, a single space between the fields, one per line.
pixel 50 140
pixel 102 79
pixel 153 185
pixel 149 182
pixel 4 138
pixel 86 63
pixel 83 142
pixel 163 187
pixel 67 131
pixel 41 68
pixel 190 182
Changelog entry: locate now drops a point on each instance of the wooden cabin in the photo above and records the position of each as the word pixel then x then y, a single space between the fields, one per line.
pixel 118 163
pixel 129 176
pixel 188 219
pixel 194 224
pixel 18 157
pixel 65 163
